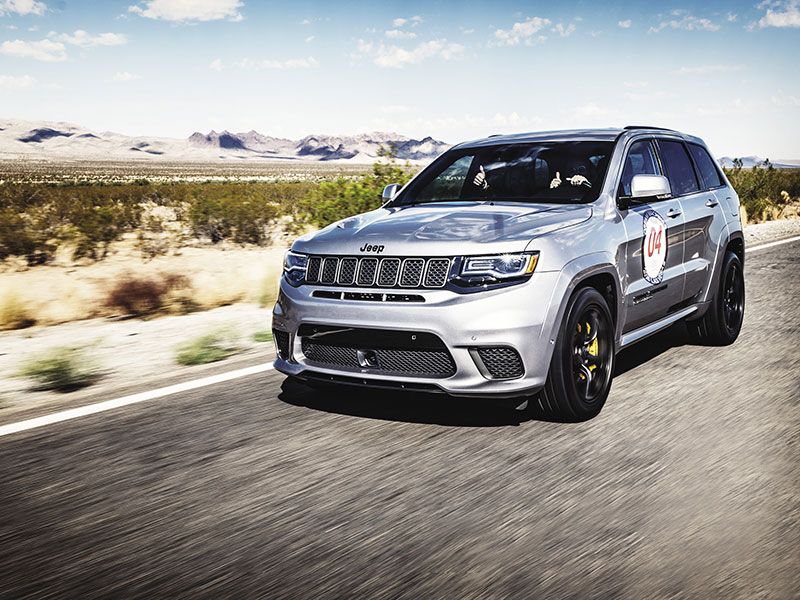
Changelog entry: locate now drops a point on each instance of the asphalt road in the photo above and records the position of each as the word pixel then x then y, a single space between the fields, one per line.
pixel 686 486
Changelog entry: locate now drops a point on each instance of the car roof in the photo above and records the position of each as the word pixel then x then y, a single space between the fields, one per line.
pixel 588 135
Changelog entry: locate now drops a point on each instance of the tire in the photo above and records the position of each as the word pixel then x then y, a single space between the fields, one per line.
pixel 721 324
pixel 579 378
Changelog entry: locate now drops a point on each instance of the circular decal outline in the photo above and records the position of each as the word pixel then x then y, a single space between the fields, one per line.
pixel 648 275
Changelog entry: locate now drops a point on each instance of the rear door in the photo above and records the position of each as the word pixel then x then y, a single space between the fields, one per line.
pixel 654 273
pixel 705 222
pixel 699 208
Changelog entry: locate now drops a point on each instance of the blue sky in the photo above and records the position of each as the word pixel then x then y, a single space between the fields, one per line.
pixel 727 71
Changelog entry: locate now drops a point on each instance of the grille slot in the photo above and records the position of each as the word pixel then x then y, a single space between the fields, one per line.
pixel 366 271
pixel 411 275
pixel 347 271
pixel 388 272
pixel 312 271
pixel 329 269
pixel 436 272
pixel 501 362
pixel 281 343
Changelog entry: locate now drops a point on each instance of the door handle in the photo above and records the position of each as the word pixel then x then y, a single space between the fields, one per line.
pixel 711 203
pixel 673 213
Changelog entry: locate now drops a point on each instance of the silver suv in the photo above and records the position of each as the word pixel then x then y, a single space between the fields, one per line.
pixel 517 265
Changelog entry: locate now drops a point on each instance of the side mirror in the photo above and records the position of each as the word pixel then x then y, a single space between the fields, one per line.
pixel 649 186
pixel 389 192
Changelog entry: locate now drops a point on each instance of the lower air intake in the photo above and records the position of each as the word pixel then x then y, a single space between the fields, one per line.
pixel 501 362
pixel 281 343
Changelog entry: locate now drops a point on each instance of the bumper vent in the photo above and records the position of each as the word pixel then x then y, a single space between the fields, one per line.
pixel 382 352
pixel 281 343
pixel 501 362
pixel 384 273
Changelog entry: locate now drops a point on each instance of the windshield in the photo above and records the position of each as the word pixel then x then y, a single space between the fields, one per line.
pixel 550 172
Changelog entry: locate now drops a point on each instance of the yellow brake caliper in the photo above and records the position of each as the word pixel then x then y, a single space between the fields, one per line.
pixel 592 348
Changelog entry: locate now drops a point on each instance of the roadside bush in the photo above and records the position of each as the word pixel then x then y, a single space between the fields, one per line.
pixel 209 347
pixel 14 313
pixel 140 296
pixel 334 200
pixel 62 369
pixel 765 192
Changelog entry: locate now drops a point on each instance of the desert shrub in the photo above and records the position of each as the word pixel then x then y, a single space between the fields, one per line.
pixel 765 192
pixel 209 347
pixel 14 313
pixel 139 296
pixel 262 336
pixel 62 369
pixel 333 200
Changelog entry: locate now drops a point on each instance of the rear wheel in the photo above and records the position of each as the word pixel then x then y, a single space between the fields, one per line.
pixel 580 373
pixel 721 324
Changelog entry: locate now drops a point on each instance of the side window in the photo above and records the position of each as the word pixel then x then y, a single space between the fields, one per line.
pixel 678 166
pixel 705 164
pixel 448 184
pixel 641 160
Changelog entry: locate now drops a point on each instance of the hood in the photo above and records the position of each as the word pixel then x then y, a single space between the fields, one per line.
pixel 445 229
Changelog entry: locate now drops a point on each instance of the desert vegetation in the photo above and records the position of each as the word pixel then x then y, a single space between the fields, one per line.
pixel 63 369
pixel 210 347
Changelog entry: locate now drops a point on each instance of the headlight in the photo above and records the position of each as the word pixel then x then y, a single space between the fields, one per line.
pixel 497 268
pixel 294 267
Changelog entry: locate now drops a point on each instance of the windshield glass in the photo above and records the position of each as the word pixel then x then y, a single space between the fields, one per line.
pixel 550 172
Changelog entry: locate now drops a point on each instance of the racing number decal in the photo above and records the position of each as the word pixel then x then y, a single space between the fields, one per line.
pixel 654 247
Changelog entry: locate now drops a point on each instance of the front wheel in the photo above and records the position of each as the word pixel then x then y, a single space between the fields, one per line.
pixel 579 378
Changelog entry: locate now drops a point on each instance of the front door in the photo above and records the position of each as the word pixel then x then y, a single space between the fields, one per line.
pixel 654 270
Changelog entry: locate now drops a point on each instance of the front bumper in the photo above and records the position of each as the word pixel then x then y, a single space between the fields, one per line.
pixel 519 316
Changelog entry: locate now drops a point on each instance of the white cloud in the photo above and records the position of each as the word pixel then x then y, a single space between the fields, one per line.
pixel 305 22
pixel 12 27
pixel 395 57
pixel 10 82
pixel 564 31
pixel 467 31
pixel 523 31
pixel 399 34
pixel 731 17
pixel 310 39
pixel 634 84
pixel 686 22
pixel 22 7
pixel 780 14
pixel 125 76
pixel 706 69
pixel 45 50
pixel 413 21
pixel 782 100
pixel 86 40
pixel 626 24
pixel 216 64
pixel 189 10
pixel 268 63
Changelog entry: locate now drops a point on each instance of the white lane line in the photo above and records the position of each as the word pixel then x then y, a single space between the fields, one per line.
pixel 773 244
pixel 90 409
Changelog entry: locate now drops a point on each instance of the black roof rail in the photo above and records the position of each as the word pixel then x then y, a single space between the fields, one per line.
pixel 647 127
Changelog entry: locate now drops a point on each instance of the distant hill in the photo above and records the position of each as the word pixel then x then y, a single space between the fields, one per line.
pixel 748 162
pixel 65 141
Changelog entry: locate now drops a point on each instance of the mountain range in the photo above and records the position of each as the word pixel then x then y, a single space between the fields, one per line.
pixel 748 162
pixel 48 140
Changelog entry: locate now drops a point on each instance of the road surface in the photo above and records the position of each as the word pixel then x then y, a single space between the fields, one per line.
pixel 686 486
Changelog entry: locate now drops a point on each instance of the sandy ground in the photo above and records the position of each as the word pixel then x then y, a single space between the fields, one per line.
pixel 131 351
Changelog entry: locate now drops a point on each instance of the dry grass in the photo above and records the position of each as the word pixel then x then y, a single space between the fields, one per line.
pixel 69 290
pixel 14 312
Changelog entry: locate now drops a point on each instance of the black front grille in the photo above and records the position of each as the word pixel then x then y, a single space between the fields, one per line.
pixel 281 343
pixel 501 362
pixel 369 271
pixel 403 353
